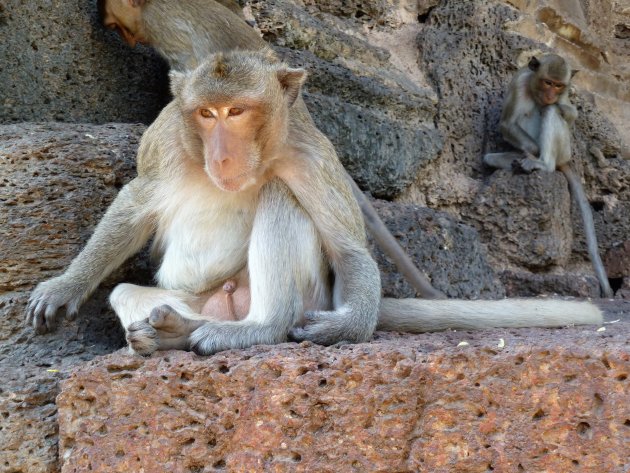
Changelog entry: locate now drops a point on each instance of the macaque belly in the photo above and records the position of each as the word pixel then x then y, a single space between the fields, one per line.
pixel 203 246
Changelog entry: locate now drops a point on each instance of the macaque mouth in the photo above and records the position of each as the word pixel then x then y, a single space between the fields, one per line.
pixel 232 183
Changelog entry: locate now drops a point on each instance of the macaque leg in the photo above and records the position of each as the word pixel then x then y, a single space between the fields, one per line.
pixel 504 160
pixel 287 276
pixel 163 319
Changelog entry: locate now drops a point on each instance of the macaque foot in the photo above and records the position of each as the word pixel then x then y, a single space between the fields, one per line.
pixel 165 329
pixel 142 338
pixel 531 164
pixel 330 328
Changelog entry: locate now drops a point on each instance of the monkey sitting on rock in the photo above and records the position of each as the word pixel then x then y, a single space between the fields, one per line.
pixel 234 179
pixel 185 33
pixel 535 120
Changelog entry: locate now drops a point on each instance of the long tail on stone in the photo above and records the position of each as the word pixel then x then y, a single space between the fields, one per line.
pixel 421 315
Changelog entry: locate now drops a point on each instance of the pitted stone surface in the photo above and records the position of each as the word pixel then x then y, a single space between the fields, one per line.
pixel 503 400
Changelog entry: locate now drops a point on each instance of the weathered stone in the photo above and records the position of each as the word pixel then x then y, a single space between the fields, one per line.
pixel 28 427
pixel 508 400
pixel 353 130
pixel 624 290
pixel 617 260
pixel 470 50
pixel 446 250
pixel 59 63
pixel 525 218
pixel 56 182
pixel 526 284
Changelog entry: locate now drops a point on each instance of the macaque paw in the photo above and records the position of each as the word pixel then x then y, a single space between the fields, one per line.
pixel 47 298
pixel 530 164
pixel 142 338
pixel 328 328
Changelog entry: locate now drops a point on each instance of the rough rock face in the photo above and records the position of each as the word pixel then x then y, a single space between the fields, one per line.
pixel 539 237
pixel 508 400
pixel 409 92
pixel 60 64
pixel 57 181
pixel 448 251
pixel 470 51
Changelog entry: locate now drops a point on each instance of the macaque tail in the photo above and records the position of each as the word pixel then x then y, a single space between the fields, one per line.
pixel 418 315
pixel 589 228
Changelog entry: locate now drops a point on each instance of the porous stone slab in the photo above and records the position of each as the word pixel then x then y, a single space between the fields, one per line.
pixel 525 218
pixel 447 251
pixel 502 400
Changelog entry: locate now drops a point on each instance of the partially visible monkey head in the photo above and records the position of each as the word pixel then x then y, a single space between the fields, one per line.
pixel 124 17
pixel 238 104
pixel 552 76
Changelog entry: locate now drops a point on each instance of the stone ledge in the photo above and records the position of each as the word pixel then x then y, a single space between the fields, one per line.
pixel 547 400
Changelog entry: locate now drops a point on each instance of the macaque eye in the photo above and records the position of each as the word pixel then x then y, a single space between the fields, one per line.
pixel 547 83
pixel 205 113
pixel 235 111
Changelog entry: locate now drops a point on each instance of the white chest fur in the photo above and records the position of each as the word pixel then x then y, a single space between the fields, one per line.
pixel 202 234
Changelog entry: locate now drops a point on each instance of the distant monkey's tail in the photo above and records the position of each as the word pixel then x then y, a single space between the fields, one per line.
pixel 589 228
pixel 420 315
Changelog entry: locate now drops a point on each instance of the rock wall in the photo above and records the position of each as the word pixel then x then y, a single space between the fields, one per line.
pixel 409 92
pixel 57 180
pixel 501 400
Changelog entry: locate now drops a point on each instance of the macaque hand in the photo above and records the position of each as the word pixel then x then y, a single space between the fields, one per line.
pixel 48 297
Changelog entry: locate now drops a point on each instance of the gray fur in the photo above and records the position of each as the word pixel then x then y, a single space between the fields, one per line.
pixel 542 135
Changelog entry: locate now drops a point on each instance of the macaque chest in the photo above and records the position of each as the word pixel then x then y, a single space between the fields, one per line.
pixel 530 122
pixel 204 242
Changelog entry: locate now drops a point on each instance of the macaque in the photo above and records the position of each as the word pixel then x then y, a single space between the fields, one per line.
pixel 185 33
pixel 233 177
pixel 535 120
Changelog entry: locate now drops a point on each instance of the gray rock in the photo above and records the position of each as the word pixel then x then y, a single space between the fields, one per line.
pixel 526 284
pixel 447 251
pixel 525 219
pixel 59 63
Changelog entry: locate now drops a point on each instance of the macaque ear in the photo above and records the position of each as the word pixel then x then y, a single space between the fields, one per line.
pixel 291 81
pixel 573 72
pixel 533 63
pixel 177 82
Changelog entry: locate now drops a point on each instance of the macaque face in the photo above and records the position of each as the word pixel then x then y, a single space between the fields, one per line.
pixel 230 133
pixel 550 90
pixel 124 18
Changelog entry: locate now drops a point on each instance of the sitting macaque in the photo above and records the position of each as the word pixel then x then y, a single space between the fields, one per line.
pixel 185 33
pixel 535 120
pixel 234 179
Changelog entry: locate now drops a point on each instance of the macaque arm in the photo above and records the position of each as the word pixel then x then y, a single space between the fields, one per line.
pixel 516 104
pixel 392 248
pixel 286 273
pixel 316 178
pixel 122 231
pixel 567 110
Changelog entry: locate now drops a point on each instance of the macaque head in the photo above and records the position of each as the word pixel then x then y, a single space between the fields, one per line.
pixel 124 17
pixel 550 80
pixel 238 104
